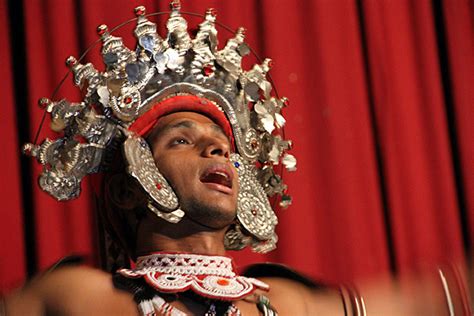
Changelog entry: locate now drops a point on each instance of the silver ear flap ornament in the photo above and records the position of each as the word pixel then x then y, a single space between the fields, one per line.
pixel 171 217
pixel 253 210
pixel 134 82
pixel 142 167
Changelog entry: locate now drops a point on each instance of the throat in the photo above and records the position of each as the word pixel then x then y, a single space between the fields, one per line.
pixel 186 236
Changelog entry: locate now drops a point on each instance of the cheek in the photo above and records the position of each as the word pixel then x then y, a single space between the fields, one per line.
pixel 177 171
pixel 166 168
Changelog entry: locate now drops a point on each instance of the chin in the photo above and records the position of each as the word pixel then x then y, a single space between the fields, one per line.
pixel 211 214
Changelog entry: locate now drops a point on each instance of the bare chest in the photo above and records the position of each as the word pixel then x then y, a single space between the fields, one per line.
pixel 187 306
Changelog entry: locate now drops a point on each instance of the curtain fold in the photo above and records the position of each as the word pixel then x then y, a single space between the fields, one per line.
pixel 412 125
pixel 459 23
pixel 12 256
pixel 381 112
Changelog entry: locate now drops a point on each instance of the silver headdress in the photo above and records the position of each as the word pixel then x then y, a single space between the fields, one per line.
pixel 133 82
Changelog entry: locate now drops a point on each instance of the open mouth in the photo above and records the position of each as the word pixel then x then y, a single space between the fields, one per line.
pixel 219 176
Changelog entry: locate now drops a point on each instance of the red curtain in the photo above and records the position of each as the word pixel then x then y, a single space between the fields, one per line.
pixel 381 111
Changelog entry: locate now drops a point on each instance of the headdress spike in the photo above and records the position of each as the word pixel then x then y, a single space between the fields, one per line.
pixel 178 36
pixel 145 32
pixel 71 61
pixel 231 56
pixel 175 5
pixel 81 72
pixel 28 149
pixel 211 13
pixel 207 34
pixel 103 30
pixel 114 53
pixel 140 11
pixel 267 65
pixel 43 102
pixel 241 32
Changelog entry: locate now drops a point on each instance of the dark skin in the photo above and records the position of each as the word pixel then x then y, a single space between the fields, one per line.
pixel 185 146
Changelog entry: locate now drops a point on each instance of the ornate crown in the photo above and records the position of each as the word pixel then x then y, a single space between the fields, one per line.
pixel 136 81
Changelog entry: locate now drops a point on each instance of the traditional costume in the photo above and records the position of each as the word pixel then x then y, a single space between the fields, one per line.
pixel 120 107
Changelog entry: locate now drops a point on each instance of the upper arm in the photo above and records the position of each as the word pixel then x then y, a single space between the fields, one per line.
pixel 290 297
pixel 292 293
pixel 71 291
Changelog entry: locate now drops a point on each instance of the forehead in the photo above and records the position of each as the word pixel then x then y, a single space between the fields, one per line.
pixel 189 119
pixel 176 116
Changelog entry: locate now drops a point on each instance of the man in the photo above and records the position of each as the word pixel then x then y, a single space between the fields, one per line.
pixel 191 179
pixel 188 148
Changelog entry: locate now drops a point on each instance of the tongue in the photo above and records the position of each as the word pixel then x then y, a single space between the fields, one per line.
pixel 216 178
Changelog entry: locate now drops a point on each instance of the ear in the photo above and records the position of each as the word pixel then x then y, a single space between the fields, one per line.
pixel 124 192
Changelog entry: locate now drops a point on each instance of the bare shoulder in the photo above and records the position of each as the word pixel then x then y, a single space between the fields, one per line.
pixel 292 293
pixel 290 297
pixel 71 291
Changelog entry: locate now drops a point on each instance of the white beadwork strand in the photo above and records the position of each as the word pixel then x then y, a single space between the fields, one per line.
pixel 208 276
pixel 160 306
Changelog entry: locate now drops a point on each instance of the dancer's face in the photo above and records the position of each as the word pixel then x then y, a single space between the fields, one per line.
pixel 192 152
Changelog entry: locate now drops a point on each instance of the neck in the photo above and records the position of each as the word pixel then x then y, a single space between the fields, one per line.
pixel 186 236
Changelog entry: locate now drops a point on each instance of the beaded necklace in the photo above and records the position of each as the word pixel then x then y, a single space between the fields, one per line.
pixel 208 276
pixel 211 277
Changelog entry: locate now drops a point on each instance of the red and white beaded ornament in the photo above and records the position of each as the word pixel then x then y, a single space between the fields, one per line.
pixel 209 276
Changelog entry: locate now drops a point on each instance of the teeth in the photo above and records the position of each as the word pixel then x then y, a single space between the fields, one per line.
pixel 222 174
pixel 217 176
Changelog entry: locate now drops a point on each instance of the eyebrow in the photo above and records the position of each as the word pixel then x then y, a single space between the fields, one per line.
pixel 186 124
pixel 181 124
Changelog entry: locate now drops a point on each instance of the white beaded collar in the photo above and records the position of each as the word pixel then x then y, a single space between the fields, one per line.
pixel 208 276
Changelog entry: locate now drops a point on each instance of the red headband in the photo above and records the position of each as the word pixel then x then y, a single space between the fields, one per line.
pixel 182 103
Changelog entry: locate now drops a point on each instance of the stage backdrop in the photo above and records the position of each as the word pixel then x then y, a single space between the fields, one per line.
pixel 381 114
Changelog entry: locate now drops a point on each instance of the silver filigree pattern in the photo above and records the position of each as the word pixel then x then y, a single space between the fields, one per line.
pixel 142 167
pixel 253 208
pixel 171 217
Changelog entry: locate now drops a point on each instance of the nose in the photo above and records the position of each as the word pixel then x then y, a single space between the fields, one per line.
pixel 216 147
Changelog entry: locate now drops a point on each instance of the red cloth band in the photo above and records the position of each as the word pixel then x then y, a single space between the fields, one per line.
pixel 182 103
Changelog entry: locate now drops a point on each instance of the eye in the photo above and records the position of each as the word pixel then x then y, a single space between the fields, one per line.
pixel 179 141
